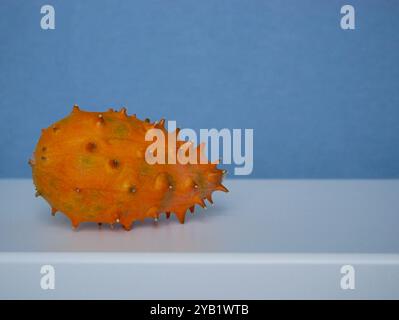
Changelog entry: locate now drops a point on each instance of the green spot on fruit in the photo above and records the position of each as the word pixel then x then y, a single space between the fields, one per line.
pixel 120 130
pixel 109 118
pixel 145 169
pixel 53 183
pixel 99 208
pixel 68 206
pixel 86 162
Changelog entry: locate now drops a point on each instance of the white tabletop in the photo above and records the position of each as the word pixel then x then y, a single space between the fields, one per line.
pixel 265 239
pixel 256 216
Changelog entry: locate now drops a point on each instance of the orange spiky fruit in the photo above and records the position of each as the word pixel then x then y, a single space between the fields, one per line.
pixel 92 167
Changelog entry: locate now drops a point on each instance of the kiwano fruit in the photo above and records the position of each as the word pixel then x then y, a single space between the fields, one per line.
pixel 92 167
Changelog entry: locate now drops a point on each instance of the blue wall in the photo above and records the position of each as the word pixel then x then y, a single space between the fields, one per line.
pixel 323 102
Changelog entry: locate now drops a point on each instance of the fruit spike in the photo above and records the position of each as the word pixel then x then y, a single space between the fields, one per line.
pixel 91 167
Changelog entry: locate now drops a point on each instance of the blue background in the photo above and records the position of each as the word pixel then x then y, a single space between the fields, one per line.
pixel 323 102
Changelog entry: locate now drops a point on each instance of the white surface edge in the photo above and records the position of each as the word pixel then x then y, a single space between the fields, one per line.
pixel 197 258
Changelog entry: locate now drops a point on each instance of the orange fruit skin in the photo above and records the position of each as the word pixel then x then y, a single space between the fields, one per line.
pixel 91 166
